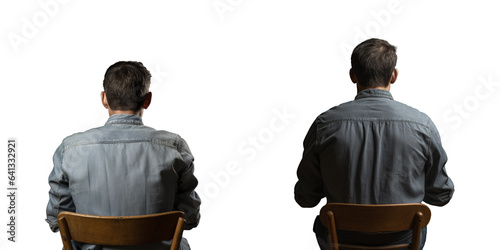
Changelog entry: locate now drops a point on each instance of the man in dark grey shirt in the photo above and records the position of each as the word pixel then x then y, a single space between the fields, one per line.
pixel 372 150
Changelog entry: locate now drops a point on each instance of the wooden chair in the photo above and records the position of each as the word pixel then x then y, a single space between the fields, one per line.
pixel 121 230
pixel 374 218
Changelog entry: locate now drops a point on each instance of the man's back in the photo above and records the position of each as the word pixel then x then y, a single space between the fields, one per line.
pixel 121 169
pixel 373 150
pixel 124 168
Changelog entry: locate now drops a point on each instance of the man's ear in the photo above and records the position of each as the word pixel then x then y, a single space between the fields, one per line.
pixel 394 76
pixel 147 101
pixel 353 76
pixel 104 100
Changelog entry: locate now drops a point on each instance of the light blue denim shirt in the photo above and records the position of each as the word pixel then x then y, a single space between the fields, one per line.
pixel 121 169
pixel 373 150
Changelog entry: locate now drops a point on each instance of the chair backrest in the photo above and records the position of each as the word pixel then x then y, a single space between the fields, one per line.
pixel 375 218
pixel 121 230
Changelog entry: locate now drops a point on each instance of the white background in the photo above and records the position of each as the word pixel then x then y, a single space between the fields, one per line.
pixel 242 81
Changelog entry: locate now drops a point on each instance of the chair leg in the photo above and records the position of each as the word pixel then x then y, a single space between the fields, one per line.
pixel 65 236
pixel 417 228
pixel 176 240
pixel 332 231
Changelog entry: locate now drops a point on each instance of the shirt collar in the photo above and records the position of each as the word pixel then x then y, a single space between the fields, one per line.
pixel 124 119
pixel 378 93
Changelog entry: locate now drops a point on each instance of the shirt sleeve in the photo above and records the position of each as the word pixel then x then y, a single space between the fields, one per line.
pixel 309 187
pixel 187 200
pixel 439 188
pixel 59 195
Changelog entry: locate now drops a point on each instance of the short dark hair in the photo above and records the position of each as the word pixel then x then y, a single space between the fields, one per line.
pixel 126 84
pixel 373 62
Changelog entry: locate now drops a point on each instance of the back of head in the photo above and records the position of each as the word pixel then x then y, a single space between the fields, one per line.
pixel 126 85
pixel 373 62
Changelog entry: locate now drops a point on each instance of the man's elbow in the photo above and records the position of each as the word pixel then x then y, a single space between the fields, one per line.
pixel 440 199
pixel 53 225
pixel 305 202
pixel 192 219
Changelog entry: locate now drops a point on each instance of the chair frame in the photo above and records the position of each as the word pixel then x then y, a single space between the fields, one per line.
pixel 121 230
pixel 374 218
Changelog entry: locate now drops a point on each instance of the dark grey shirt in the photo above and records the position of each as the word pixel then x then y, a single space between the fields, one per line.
pixel 373 150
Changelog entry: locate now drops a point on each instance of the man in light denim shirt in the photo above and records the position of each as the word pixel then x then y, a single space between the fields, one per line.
pixel 124 168
pixel 373 150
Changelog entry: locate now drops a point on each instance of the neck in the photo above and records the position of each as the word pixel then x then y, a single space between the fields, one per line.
pixel 129 112
pixel 361 88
